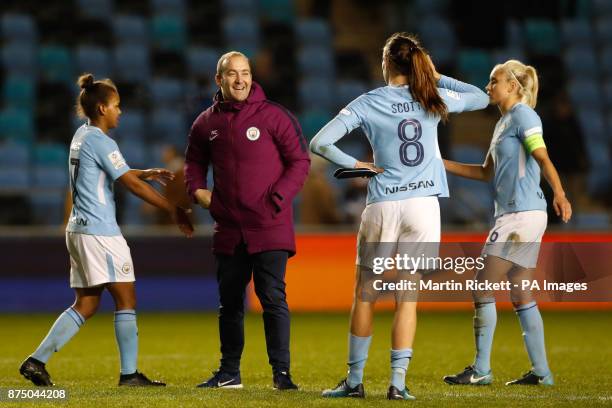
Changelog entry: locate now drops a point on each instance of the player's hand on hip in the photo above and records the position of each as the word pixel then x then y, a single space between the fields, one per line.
pixel 366 165
pixel 563 208
pixel 203 197
pixel 181 219
pixel 162 176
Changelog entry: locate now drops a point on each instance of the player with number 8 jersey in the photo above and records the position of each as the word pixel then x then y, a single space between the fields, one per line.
pixel 400 121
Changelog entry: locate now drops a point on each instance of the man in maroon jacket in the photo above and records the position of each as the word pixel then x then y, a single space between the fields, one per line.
pixel 260 162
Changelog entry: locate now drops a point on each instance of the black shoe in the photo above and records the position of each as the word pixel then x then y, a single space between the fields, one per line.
pixel 395 394
pixel 35 371
pixel 282 381
pixel 342 390
pixel 469 376
pixel 531 378
pixel 138 380
pixel 222 379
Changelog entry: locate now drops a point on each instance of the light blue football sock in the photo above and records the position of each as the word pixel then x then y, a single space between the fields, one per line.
pixel 358 354
pixel 64 328
pixel 533 335
pixel 399 366
pixel 126 332
pixel 485 319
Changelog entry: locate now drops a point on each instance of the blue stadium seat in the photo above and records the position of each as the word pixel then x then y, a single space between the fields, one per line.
pixel 241 29
pixel 581 61
pixel 473 199
pixel 169 32
pixel 430 7
pixel 168 7
pixel 15 178
pixel 132 63
pixel 349 89
pixel 280 11
pixel 130 29
pixel 316 61
pixel 577 32
pixel 56 64
pixel 168 125
pixel 132 212
pixel 19 58
pixel 50 177
pixel 202 61
pixel 19 91
pixel 132 126
pixel 475 66
pixel 316 93
pixel 597 144
pixel 606 61
pixel 313 32
pixel 168 92
pixel 503 55
pixel 14 154
pixel 51 154
pixel 438 36
pixel 19 28
pixel 542 37
pixel 515 35
pixel 312 121
pixel 585 93
pixel 134 152
pixel 96 9
pixel 94 59
pixel 592 221
pixel 17 125
pixel 240 7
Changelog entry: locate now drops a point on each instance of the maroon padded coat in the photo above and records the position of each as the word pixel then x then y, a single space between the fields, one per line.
pixel 259 160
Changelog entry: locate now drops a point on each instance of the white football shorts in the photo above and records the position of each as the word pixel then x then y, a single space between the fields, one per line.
pixel 413 224
pixel 516 237
pixel 96 260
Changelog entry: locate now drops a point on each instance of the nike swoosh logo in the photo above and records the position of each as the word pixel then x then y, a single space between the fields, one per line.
pixel 474 380
pixel 212 138
pixel 221 384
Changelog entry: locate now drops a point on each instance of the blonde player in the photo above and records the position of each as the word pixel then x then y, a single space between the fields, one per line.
pixel 515 159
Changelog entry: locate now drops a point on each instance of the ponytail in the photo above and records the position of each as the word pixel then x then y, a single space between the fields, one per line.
pixel 408 58
pixel 527 78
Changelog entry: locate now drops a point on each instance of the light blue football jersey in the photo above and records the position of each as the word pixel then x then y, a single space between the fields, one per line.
pixel 403 136
pixel 95 162
pixel 517 174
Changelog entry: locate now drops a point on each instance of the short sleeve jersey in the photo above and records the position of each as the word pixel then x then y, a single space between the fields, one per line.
pixel 95 162
pixel 404 139
pixel 517 174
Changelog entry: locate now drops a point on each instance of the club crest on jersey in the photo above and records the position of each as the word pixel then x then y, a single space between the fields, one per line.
pixel 252 133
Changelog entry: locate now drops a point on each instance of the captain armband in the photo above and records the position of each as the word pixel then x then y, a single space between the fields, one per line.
pixel 533 139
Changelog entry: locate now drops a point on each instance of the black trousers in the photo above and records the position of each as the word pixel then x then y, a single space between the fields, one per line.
pixel 233 275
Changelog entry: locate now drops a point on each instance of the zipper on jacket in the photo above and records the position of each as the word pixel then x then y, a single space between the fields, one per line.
pixel 231 121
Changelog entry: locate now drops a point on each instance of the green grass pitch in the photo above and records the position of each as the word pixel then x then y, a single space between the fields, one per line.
pixel 182 349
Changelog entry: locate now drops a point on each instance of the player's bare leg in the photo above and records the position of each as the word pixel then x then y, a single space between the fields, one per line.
pixel 87 300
